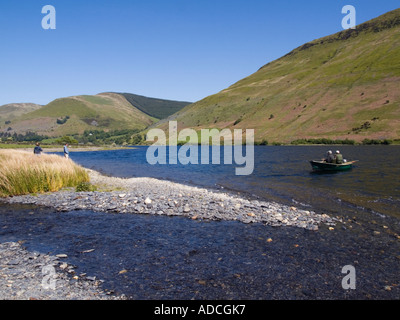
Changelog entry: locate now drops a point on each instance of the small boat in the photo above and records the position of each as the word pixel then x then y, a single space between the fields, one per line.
pixel 320 165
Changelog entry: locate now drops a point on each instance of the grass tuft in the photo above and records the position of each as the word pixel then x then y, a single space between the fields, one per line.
pixel 22 172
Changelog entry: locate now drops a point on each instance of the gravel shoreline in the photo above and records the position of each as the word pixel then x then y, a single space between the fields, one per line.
pixel 159 197
pixel 22 272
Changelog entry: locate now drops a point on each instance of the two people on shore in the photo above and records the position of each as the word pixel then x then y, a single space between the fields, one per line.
pixel 337 158
pixel 38 150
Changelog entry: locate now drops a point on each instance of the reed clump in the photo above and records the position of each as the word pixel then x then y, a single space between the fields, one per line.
pixel 22 172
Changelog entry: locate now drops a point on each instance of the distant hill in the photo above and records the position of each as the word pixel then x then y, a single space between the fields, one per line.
pixel 346 85
pixel 157 108
pixel 11 111
pixel 74 115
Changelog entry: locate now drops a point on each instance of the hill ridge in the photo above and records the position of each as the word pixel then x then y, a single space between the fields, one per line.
pixel 388 20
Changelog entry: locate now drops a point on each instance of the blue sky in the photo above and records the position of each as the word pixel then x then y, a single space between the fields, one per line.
pixel 175 49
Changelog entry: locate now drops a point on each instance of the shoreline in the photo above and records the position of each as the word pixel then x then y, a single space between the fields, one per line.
pixel 21 272
pixel 71 148
pixel 162 197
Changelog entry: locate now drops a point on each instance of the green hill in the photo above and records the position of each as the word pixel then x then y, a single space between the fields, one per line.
pixel 74 115
pixel 157 108
pixel 11 111
pixel 341 86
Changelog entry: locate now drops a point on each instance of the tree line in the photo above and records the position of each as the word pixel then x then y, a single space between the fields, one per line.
pixel 19 137
pixel 94 137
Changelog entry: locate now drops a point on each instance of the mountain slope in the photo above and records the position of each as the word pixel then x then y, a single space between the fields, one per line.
pixel 157 108
pixel 11 111
pixel 341 86
pixel 72 115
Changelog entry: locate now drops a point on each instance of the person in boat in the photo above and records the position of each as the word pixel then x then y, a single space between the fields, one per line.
pixel 338 157
pixel 329 157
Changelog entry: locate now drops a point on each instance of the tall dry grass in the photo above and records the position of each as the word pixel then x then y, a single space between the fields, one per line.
pixel 22 172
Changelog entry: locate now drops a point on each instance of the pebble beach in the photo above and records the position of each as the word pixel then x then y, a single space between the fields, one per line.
pixel 300 241
pixel 21 272
pixel 160 197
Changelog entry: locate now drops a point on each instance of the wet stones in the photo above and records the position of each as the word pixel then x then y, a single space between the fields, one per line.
pixel 151 196
pixel 25 275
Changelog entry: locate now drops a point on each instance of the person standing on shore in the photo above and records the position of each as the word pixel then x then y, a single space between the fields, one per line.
pixel 38 149
pixel 66 151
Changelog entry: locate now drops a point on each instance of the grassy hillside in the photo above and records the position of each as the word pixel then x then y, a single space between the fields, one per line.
pixel 74 115
pixel 11 111
pixel 157 108
pixel 341 86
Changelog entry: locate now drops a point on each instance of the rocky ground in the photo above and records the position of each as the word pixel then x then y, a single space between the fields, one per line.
pixel 26 275
pixel 157 197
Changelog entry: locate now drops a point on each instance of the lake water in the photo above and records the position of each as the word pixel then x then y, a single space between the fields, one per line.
pixel 281 173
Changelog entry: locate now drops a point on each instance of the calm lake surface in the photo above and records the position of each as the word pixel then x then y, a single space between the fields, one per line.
pixel 281 173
